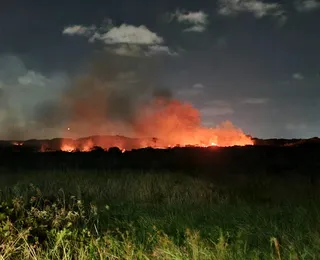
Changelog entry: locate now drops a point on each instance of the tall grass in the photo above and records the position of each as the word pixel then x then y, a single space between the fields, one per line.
pixel 130 215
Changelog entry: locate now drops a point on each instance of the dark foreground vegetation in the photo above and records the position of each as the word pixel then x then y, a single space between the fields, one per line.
pixel 212 162
pixel 182 203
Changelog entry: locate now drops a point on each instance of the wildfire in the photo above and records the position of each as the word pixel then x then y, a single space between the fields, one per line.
pixel 67 148
pixel 159 124
pixel 17 143
pixel 225 136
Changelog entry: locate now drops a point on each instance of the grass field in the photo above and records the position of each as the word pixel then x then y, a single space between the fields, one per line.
pixel 156 215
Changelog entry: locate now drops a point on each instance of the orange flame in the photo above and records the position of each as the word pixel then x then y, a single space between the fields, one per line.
pixel 67 148
pixel 17 143
pixel 161 123
pixel 172 123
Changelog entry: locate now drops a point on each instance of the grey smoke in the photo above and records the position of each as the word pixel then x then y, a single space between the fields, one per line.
pixel 105 99
pixel 49 114
pixel 111 93
pixel 21 89
pixel 162 93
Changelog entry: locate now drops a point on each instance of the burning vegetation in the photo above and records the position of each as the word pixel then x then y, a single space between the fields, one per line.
pixel 160 124
pixel 220 137
pixel 108 104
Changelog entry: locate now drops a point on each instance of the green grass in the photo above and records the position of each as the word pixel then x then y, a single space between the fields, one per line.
pixel 126 215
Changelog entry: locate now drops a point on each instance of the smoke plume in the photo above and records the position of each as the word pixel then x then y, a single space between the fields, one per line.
pixel 116 96
pixel 25 96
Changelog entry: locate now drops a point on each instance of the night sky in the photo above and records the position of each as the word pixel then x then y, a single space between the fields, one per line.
pixel 253 62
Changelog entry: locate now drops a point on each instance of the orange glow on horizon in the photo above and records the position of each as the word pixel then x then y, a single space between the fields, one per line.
pixel 170 123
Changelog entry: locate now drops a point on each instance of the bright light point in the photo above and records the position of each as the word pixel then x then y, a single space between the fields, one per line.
pixel 68 128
